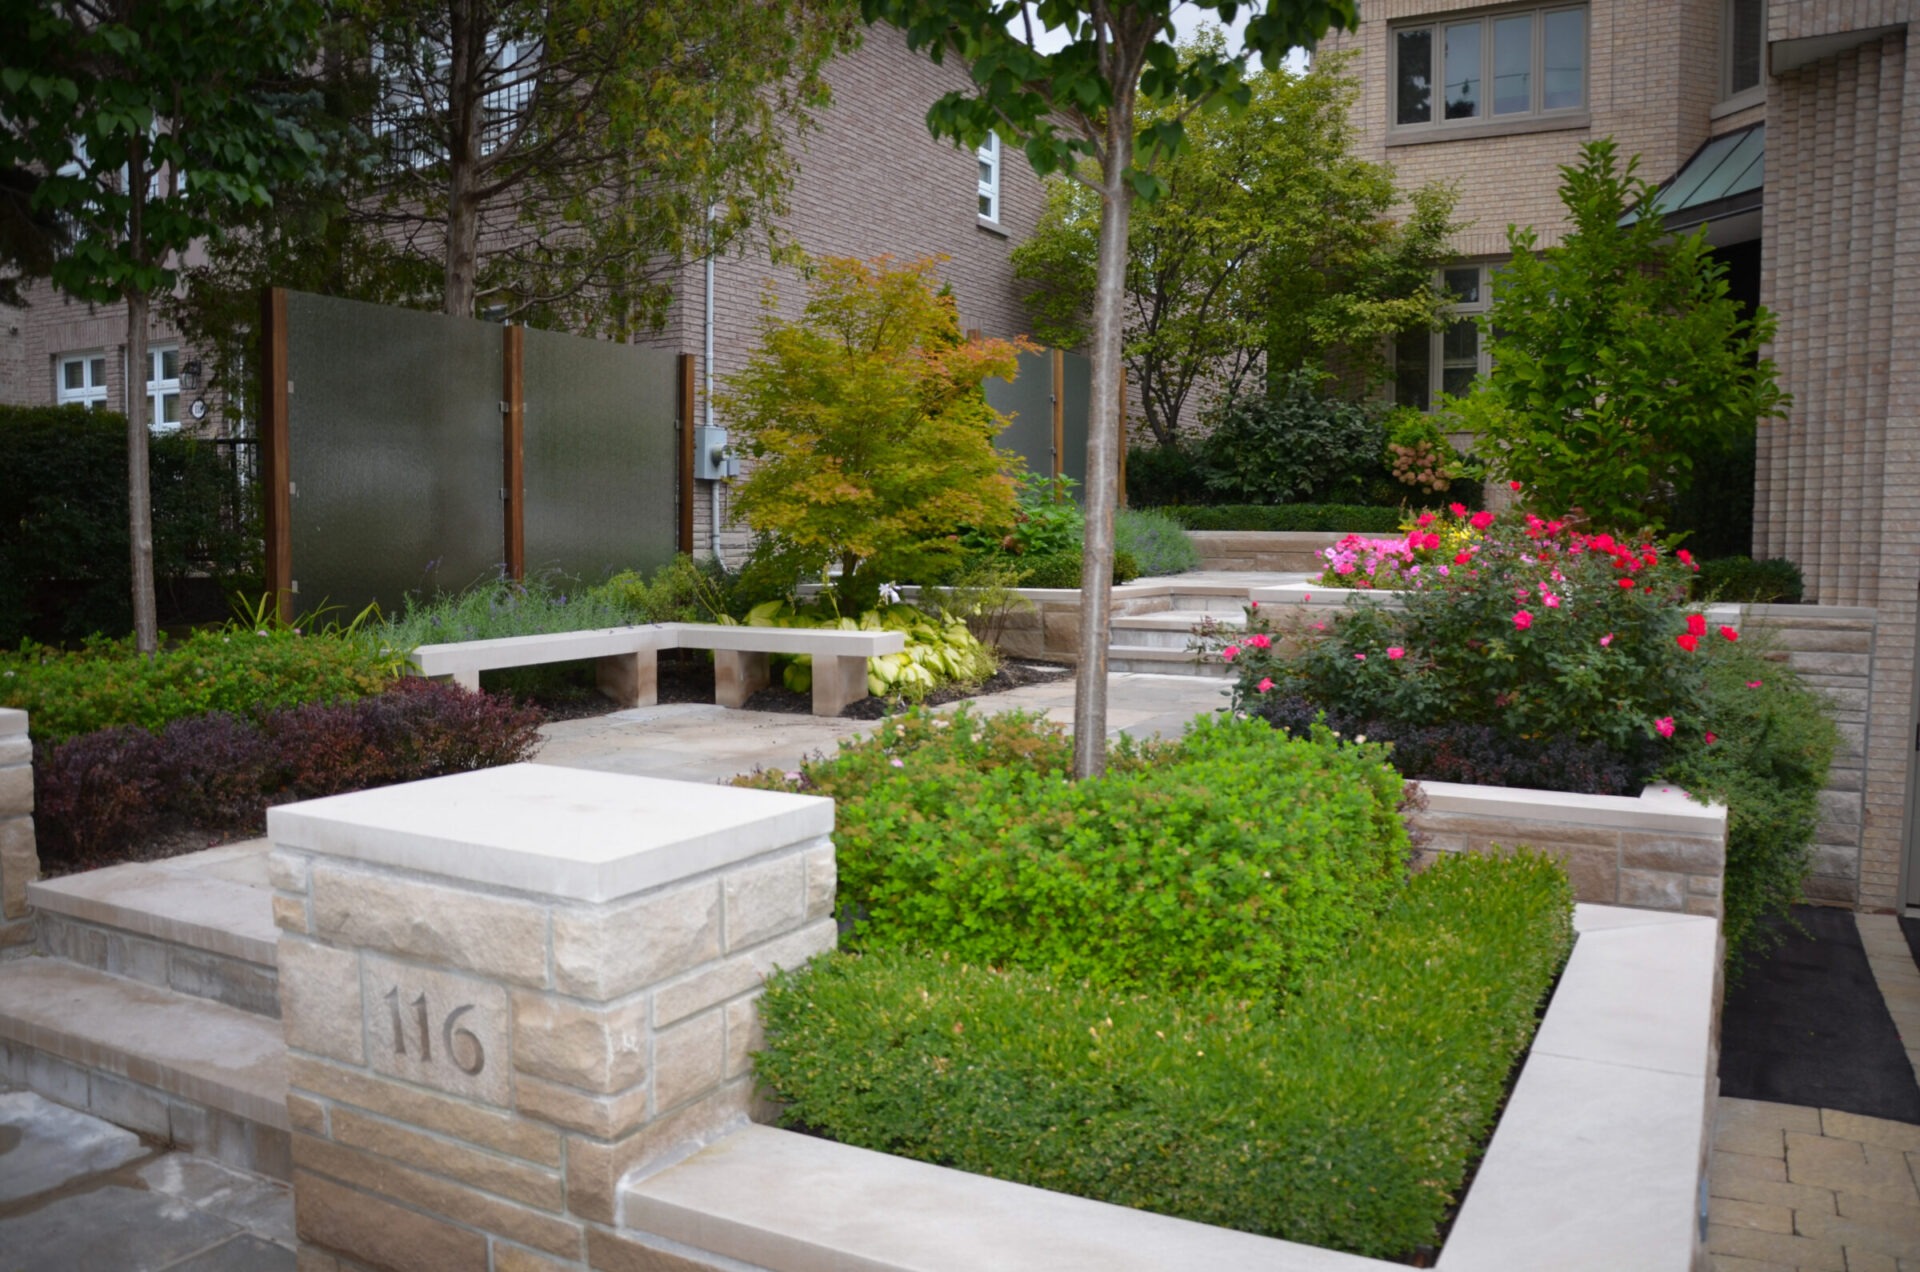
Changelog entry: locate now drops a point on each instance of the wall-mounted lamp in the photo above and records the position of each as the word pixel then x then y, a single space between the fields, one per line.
pixel 190 374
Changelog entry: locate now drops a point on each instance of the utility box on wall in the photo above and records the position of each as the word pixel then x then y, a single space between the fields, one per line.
pixel 712 460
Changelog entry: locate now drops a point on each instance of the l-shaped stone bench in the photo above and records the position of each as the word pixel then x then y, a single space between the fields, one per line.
pixel 627 659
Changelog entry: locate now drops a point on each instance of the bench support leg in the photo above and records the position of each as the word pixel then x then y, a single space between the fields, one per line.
pixel 838 682
pixel 468 680
pixel 632 680
pixel 737 676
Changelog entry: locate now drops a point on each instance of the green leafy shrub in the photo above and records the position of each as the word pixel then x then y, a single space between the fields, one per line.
pixel 1347 1121
pixel 1293 444
pixel 1534 628
pixel 1160 475
pixel 1772 740
pixel 1331 518
pixel 1063 569
pixel 104 792
pixel 237 670
pixel 1750 582
pixel 65 570
pixel 940 649
pixel 1230 861
pixel 681 591
pixel 1157 543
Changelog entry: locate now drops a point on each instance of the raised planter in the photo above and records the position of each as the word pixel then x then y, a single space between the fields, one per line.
pixel 1596 1164
pixel 1279 551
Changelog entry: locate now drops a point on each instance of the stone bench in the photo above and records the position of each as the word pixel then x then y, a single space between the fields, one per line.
pixel 627 658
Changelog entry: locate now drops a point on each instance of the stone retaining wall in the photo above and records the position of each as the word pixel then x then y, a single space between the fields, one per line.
pixel 1660 851
pixel 1832 649
pixel 1279 551
pixel 504 990
pixel 19 858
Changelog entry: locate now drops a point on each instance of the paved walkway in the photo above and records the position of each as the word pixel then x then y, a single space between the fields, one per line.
pixel 705 743
pixel 80 1195
pixel 1816 1189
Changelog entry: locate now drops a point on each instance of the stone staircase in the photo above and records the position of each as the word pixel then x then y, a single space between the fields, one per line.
pixel 1159 642
pixel 152 1001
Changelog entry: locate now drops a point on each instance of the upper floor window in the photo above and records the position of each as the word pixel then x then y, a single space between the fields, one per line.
pixel 1744 41
pixel 989 156
pixel 1506 65
pixel 1429 363
pixel 163 388
pixel 82 380
pixel 416 92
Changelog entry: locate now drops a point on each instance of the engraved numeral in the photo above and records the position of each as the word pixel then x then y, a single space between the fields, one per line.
pixel 454 1038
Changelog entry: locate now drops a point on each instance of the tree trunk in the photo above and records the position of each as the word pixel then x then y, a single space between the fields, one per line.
pixel 146 623
pixel 1103 446
pixel 465 101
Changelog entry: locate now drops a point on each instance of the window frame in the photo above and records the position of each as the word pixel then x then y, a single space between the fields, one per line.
pixel 988 153
pixel 91 396
pixel 1734 97
pixel 1469 311
pixel 1537 115
pixel 160 388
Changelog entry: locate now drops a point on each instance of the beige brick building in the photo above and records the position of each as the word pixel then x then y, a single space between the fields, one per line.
pixel 870 181
pixel 1825 230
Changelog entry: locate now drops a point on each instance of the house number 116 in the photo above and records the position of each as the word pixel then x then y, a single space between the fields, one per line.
pixel 454 1040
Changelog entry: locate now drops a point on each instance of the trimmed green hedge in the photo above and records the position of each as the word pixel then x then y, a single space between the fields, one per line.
pixel 241 672
pixel 1346 1121
pixel 1230 861
pixel 1339 518
pixel 65 571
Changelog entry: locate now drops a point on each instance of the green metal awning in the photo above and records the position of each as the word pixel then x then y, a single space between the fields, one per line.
pixel 1722 179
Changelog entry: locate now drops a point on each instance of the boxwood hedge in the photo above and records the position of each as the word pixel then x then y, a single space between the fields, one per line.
pixel 1346 1118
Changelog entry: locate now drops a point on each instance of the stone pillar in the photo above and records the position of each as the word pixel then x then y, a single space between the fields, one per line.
pixel 19 858
pixel 505 990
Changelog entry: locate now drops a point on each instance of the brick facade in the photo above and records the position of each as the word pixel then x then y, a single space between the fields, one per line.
pixel 1839 479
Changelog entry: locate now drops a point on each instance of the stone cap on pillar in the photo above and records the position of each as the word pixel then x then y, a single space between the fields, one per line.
pixel 574 834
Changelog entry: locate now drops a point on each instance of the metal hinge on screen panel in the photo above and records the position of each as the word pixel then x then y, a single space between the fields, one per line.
pixel 293 490
pixel 505 406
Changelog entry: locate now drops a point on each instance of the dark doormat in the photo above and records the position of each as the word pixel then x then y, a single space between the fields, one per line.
pixel 1806 1025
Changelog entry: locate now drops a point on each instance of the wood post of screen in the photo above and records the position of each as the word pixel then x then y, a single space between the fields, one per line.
pixel 275 468
pixel 685 483
pixel 1060 412
pixel 513 446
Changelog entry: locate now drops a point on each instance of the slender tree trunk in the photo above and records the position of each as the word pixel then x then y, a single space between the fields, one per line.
pixel 467 44
pixel 1103 446
pixel 146 623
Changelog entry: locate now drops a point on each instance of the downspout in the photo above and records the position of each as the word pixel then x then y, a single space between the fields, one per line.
pixel 713 490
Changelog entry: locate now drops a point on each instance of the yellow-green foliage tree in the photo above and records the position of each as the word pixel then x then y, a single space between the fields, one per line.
pixel 871 440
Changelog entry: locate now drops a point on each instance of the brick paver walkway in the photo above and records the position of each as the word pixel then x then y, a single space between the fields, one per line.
pixel 1817 1189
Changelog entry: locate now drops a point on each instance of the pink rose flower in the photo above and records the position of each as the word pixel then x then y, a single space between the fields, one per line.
pixel 1394 651
pixel 1260 640
pixel 1664 726
pixel 1514 486
pixel 1481 520
pixel 1359 658
pixel 1264 685
pixel 1753 684
pixel 1230 653
pixel 1457 509
pixel 1606 640
pixel 1711 739
pixel 1523 620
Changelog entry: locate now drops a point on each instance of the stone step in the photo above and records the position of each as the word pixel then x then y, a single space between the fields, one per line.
pixel 1172 629
pixel 201 924
pixel 182 1069
pixel 1162 662
pixel 1225 602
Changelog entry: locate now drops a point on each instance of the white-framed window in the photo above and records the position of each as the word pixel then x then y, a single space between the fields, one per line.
pixel 1429 363
pixel 989 157
pixel 1507 65
pixel 1743 40
pixel 413 104
pixel 81 379
pixel 163 388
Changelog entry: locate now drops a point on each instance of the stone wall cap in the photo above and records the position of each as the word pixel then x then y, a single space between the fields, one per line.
pixel 1655 808
pixel 12 720
pixel 573 834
